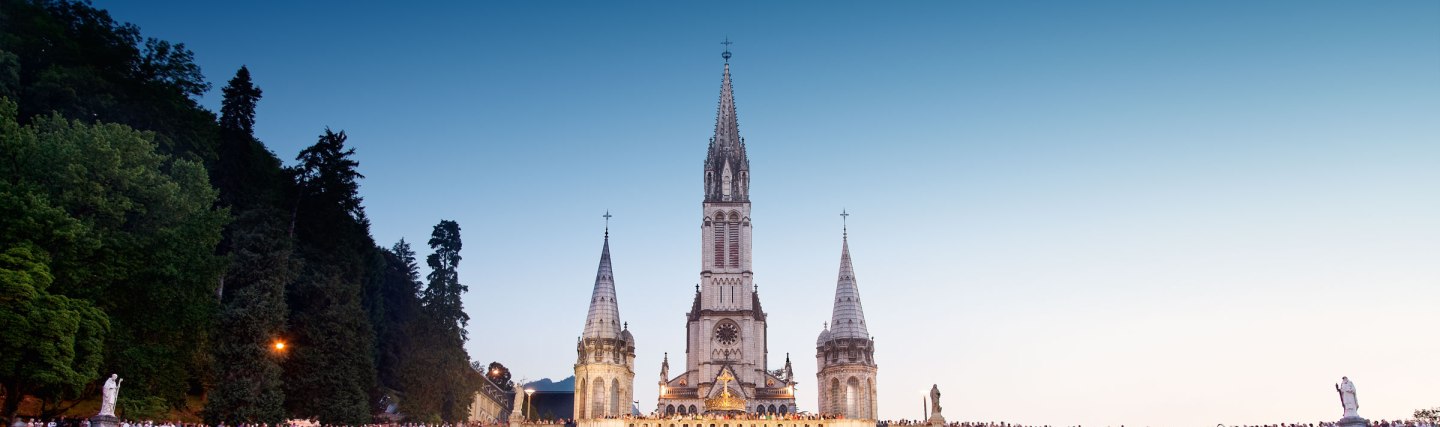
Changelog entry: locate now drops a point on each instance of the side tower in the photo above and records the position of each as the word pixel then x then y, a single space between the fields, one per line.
pixel 605 366
pixel 726 354
pixel 845 351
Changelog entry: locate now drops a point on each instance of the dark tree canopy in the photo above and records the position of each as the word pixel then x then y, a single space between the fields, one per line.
pixel 146 236
pixel 111 217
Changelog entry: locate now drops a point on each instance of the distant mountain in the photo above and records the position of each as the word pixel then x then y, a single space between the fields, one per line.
pixel 546 385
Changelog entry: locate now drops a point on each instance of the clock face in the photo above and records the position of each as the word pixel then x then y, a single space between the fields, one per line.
pixel 727 333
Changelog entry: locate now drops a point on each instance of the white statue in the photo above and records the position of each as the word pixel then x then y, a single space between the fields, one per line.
pixel 935 399
pixel 1347 397
pixel 519 400
pixel 109 393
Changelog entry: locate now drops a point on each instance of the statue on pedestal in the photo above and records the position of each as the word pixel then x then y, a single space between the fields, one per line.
pixel 109 394
pixel 1346 389
pixel 1347 397
pixel 935 418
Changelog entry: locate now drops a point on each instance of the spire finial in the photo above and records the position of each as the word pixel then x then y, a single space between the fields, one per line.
pixel 726 54
pixel 844 224
pixel 607 223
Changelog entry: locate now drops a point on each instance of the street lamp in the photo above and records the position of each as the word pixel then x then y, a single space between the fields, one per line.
pixel 279 345
pixel 528 393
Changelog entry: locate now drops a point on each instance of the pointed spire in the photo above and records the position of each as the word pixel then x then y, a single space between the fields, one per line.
pixel 848 319
pixel 789 372
pixel 727 169
pixel 604 318
pixel 727 124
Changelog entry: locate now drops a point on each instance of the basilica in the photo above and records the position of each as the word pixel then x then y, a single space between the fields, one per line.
pixel 726 367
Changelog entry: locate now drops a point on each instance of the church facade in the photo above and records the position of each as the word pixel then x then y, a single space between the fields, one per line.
pixel 726 355
pixel 726 362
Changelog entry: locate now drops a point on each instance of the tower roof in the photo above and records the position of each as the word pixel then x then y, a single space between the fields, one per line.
pixel 848 320
pixel 603 321
pixel 727 148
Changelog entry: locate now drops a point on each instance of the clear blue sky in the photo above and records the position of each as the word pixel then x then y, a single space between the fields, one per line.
pixel 1098 213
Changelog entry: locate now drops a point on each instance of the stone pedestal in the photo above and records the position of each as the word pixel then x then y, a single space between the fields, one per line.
pixel 936 419
pixel 1349 421
pixel 104 421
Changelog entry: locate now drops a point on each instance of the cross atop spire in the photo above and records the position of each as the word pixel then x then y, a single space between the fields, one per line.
pixel 844 224
pixel 726 54
pixel 607 222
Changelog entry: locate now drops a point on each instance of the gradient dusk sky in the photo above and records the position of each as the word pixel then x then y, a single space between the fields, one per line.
pixel 1143 213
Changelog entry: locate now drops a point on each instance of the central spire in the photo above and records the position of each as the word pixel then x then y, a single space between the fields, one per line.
pixel 727 169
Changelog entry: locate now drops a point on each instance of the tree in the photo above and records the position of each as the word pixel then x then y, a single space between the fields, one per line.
pixel 400 309
pixel 451 379
pixel 50 345
pixel 124 227
pixel 248 375
pixel 442 295
pixel 75 60
pixel 329 182
pixel 1431 415
pixel 331 374
pixel 237 110
pixel 247 174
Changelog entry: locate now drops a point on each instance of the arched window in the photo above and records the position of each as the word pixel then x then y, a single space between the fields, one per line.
pixel 669 409
pixel 870 400
pixel 579 399
pixel 597 398
pixel 783 410
pixel 692 411
pixel 852 398
pixel 614 397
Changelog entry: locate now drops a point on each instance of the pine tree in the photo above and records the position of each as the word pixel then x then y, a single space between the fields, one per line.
pixel 445 311
pixel 442 296
pixel 248 374
pixel 237 110
pixel 400 298
pixel 331 374
pixel 247 174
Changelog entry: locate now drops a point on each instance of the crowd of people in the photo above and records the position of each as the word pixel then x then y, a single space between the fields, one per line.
pixel 85 422
pixel 82 422
pixel 1373 423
